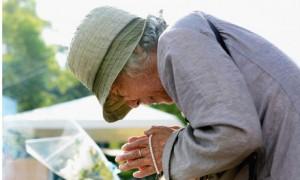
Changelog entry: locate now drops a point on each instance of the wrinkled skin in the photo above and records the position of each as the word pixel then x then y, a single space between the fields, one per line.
pixel 144 88
pixel 131 158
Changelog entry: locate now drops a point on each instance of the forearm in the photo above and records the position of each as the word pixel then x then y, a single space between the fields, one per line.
pixel 197 152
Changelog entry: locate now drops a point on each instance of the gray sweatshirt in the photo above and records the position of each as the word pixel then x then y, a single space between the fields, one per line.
pixel 237 105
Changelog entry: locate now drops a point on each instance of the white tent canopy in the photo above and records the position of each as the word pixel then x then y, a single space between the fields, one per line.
pixel 88 113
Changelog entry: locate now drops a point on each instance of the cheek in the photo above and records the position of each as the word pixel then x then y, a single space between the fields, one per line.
pixel 136 90
pixel 141 90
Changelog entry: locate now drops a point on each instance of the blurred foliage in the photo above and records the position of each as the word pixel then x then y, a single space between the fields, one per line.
pixel 31 74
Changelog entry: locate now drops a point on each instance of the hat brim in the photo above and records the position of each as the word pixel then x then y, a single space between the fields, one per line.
pixel 115 108
pixel 122 48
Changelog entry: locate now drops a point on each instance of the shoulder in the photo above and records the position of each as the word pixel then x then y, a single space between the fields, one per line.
pixel 192 24
pixel 194 21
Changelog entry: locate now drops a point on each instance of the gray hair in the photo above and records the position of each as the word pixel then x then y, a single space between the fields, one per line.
pixel 139 59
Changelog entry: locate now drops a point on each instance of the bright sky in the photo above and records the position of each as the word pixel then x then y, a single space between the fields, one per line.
pixel 276 20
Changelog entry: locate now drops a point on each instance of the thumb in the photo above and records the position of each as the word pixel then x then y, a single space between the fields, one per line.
pixel 134 138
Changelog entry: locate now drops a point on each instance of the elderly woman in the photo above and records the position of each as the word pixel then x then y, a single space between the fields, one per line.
pixel 240 94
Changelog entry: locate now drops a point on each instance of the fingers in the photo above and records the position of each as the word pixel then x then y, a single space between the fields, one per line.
pixel 135 164
pixel 134 138
pixel 137 144
pixel 132 155
pixel 143 161
pixel 144 171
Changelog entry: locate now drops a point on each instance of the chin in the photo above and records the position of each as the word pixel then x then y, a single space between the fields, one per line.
pixel 168 102
pixel 162 100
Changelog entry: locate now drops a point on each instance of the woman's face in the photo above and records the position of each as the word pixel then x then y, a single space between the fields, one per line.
pixel 141 89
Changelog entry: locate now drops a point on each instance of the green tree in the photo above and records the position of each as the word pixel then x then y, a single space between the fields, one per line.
pixel 31 74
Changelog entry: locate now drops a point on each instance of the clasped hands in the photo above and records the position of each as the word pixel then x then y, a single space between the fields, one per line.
pixel 137 154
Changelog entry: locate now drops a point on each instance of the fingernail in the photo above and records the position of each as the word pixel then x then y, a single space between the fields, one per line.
pixel 124 146
pixel 136 174
pixel 117 159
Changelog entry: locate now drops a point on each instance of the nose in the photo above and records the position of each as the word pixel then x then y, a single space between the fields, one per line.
pixel 133 103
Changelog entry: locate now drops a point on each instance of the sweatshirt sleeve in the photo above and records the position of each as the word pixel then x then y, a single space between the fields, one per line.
pixel 211 92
